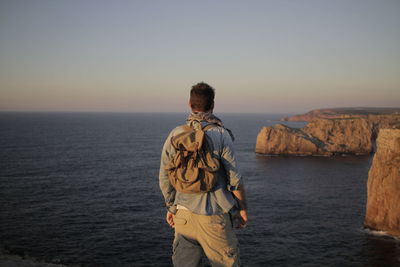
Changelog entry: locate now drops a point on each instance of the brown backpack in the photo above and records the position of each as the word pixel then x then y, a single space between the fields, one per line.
pixel 194 167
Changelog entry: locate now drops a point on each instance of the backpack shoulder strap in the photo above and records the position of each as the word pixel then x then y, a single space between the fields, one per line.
pixel 209 126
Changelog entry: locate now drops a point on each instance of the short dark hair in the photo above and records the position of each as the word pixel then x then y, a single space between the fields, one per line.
pixel 202 97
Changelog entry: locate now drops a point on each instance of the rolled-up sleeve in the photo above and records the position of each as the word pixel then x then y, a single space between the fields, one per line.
pixel 229 161
pixel 167 189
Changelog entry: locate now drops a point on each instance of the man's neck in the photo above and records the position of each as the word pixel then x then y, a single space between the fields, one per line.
pixel 198 111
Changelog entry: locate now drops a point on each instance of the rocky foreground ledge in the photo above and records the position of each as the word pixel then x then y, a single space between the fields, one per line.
pixel 383 204
pixel 320 137
pixel 11 260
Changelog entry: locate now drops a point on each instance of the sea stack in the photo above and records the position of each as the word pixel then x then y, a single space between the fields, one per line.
pixel 320 137
pixel 383 204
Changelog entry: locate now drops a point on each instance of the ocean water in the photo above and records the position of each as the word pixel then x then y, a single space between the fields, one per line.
pixel 82 188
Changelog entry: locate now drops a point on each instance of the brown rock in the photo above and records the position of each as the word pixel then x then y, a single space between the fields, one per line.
pixel 383 204
pixel 283 140
pixel 321 137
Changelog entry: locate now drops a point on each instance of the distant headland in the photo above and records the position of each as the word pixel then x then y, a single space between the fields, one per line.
pixel 335 113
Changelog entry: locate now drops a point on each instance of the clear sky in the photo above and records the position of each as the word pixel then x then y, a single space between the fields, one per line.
pixel 260 56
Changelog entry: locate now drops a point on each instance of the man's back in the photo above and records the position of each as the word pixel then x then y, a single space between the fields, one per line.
pixel 219 199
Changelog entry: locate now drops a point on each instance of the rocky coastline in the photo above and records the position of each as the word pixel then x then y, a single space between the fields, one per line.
pixel 320 137
pixel 349 131
pixel 335 131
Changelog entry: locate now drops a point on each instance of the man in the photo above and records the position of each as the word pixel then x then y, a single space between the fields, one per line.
pixel 203 221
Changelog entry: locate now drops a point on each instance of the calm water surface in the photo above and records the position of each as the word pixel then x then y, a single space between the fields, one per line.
pixel 82 188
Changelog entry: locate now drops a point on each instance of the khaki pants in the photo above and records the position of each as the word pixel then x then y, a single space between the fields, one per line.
pixel 197 233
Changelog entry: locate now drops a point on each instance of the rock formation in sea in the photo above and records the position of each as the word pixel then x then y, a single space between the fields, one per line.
pixel 320 137
pixel 383 203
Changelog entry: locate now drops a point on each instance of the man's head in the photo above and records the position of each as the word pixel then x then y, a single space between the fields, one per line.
pixel 202 97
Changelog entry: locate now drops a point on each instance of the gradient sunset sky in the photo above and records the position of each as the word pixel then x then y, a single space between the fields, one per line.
pixel 143 56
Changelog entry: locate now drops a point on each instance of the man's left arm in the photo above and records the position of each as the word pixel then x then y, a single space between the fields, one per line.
pixel 235 180
pixel 166 188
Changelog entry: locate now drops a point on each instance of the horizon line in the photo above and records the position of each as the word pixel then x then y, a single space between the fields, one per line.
pixel 127 112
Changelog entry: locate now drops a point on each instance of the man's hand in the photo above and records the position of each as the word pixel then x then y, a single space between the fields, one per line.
pixel 241 219
pixel 241 216
pixel 170 219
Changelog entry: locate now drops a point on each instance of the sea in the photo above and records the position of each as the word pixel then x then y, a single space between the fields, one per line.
pixel 82 189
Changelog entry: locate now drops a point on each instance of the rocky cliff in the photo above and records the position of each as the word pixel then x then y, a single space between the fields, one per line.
pixel 320 137
pixel 383 204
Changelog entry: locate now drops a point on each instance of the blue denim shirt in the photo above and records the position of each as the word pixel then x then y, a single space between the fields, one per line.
pixel 220 199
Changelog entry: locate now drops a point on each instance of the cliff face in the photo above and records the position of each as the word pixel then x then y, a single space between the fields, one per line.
pixel 320 137
pixel 383 204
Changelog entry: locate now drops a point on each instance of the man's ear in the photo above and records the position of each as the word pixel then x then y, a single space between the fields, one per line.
pixel 190 105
